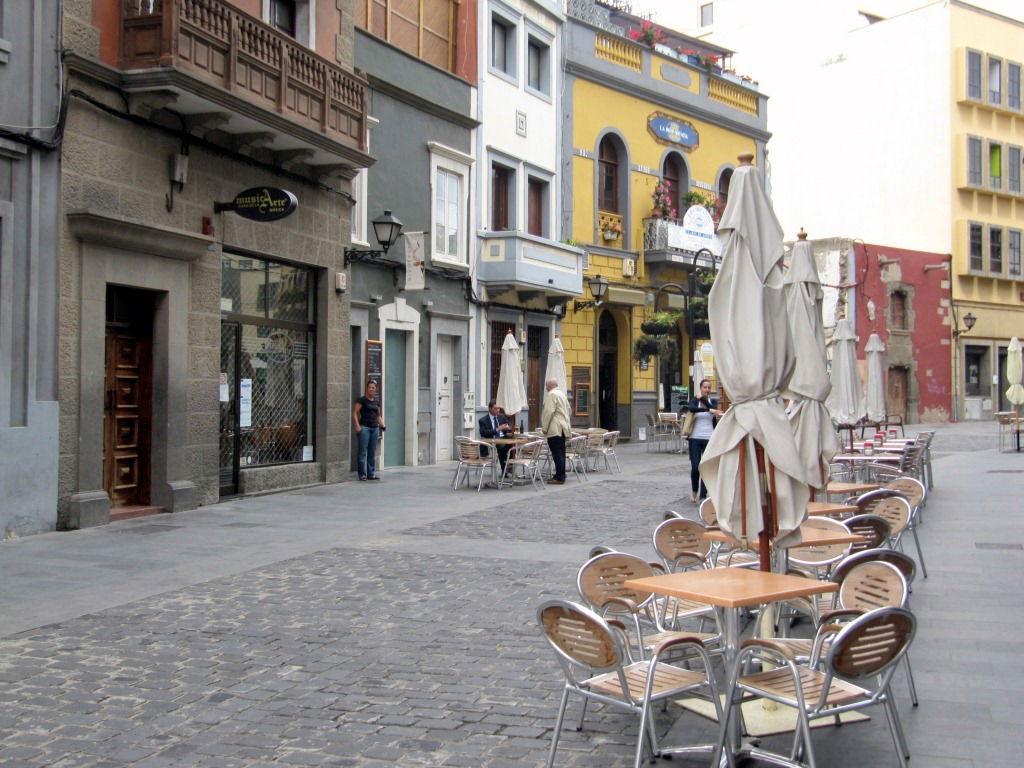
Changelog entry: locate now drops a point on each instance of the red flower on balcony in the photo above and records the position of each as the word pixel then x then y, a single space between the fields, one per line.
pixel 648 34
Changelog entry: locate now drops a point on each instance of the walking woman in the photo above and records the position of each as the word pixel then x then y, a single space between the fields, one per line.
pixel 369 423
pixel 705 416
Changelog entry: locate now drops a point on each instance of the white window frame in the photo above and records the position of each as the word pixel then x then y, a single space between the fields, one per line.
pixel 995 97
pixel 711 9
pixel 1010 271
pixel 976 141
pixel 360 234
pixel 451 161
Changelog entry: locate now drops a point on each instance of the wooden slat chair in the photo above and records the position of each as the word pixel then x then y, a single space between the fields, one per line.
pixel 740 558
pixel 601 584
pixel 576 456
pixel 681 545
pixel 470 460
pixel 854 674
pixel 528 460
pixel 818 559
pixel 873 530
pixel 893 507
pixel 605 449
pixel 657 434
pixel 594 655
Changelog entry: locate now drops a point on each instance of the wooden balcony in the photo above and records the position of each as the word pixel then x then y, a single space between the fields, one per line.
pixel 215 44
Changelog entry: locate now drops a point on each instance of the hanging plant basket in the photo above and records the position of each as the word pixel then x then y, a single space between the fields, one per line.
pixel 656 327
pixel 650 346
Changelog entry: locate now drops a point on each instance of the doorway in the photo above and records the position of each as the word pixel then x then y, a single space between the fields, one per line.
pixel 444 372
pixel 394 398
pixel 607 371
pixel 896 394
pixel 128 388
pixel 535 360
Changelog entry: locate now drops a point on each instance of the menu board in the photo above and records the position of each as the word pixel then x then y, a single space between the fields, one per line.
pixel 375 365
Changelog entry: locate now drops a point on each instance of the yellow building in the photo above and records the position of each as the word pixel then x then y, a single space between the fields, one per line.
pixel 637 115
pixel 988 205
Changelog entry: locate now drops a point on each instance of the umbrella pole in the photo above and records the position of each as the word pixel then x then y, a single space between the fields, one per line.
pixel 769 513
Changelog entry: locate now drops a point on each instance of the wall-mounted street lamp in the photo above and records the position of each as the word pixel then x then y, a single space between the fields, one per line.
pixel 386 228
pixel 598 289
pixel 969 321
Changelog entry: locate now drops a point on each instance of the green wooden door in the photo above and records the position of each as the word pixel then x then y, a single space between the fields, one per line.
pixel 394 397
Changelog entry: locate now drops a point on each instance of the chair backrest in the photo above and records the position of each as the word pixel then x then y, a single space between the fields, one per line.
pixel 469 450
pixel 533 451
pixel 819 555
pixel 708 514
pixel 671 514
pixel 901 560
pixel 681 544
pixel 603 576
pixel 874 584
pixel 650 419
pixel 610 439
pixel 595 440
pixel 910 487
pixel 889 505
pixel 575 445
pixel 874 530
pixel 579 635
pixel 871 644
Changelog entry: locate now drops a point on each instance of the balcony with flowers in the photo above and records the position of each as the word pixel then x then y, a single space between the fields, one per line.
pixel 687 241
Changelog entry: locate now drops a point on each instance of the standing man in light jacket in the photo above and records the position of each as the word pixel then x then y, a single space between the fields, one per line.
pixel 554 420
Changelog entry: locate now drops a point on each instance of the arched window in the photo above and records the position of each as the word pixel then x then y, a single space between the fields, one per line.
pixel 608 179
pixel 723 185
pixel 673 171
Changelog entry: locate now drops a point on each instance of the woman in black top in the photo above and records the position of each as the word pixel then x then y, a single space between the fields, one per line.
pixel 369 423
pixel 705 417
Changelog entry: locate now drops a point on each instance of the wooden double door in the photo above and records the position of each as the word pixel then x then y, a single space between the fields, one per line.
pixel 128 390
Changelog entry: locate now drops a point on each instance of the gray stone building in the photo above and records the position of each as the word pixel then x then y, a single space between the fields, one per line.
pixel 30 109
pixel 203 354
pixel 421 134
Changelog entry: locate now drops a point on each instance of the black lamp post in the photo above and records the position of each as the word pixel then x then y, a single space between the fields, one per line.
pixel 969 321
pixel 386 228
pixel 598 289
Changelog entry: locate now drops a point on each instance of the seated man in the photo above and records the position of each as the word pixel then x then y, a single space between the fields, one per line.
pixel 493 424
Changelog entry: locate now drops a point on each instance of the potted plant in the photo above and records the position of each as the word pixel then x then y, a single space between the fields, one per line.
pixel 611 231
pixel 648 34
pixel 661 199
pixel 660 323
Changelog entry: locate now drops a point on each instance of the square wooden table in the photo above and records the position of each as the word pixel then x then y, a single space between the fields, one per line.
pixel 819 508
pixel 730 589
pixel 849 489
pixel 513 442
pixel 811 537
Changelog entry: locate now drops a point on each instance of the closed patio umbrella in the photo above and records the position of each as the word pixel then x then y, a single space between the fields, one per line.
pixel 556 364
pixel 874 399
pixel 815 436
pixel 845 402
pixel 1014 373
pixel 511 396
pixel 754 360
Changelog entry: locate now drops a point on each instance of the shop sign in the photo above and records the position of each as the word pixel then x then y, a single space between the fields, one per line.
pixel 697 232
pixel 261 204
pixel 668 130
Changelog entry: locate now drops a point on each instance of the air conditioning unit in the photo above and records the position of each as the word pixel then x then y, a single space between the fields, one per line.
pixel 629 267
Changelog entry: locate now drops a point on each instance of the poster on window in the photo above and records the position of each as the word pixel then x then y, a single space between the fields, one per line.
pixel 415 266
pixel 245 403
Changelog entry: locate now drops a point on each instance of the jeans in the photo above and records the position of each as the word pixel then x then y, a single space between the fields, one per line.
pixel 556 444
pixel 367 462
pixel 696 453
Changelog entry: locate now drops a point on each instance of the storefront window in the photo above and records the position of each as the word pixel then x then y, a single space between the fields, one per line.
pixel 268 333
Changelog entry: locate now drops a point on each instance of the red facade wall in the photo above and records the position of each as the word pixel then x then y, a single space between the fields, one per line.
pixel 924 347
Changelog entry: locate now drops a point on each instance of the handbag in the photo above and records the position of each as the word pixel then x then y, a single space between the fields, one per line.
pixel 688 423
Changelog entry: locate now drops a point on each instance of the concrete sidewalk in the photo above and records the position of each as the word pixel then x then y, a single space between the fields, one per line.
pixel 367 624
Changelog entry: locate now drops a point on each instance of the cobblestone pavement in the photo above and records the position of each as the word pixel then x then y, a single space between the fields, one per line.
pixel 371 655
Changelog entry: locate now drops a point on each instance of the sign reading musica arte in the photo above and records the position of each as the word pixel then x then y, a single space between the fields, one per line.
pixel 668 130
pixel 261 204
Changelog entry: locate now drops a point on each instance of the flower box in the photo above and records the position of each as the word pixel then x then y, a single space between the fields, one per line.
pixel 610 235
pixel 655 328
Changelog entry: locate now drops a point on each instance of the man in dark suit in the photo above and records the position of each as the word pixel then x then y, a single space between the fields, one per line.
pixel 493 424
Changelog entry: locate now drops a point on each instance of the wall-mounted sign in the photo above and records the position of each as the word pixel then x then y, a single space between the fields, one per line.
pixel 667 130
pixel 261 204
pixel 697 232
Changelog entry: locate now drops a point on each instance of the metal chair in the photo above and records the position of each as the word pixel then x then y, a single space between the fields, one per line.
pixel 576 456
pixel 874 532
pixel 594 655
pixel 529 459
pixel 893 507
pixel 470 460
pixel 681 545
pixel 854 674
pixel 605 448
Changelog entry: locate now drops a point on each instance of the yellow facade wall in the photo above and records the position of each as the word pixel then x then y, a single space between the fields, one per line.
pixel 995 300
